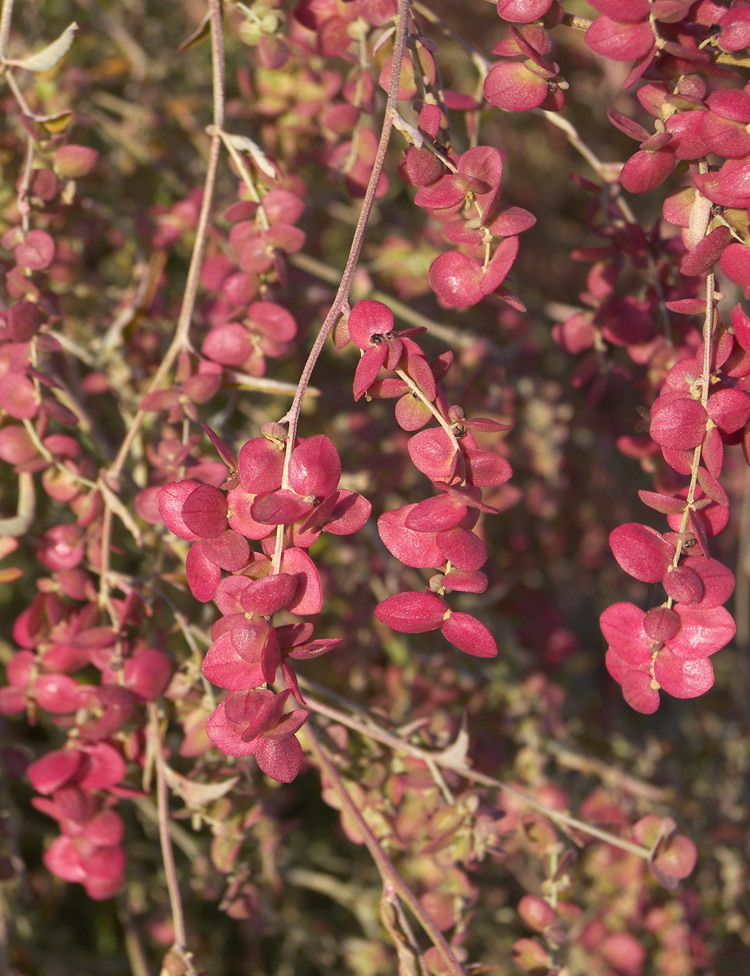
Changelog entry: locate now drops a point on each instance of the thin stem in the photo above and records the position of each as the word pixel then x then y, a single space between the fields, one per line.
pixel 446 761
pixel 385 866
pixel 600 168
pixel 458 339
pixel 180 338
pixel 340 301
pixel 162 804
pixel 705 384
pixel 431 407
pixel 6 15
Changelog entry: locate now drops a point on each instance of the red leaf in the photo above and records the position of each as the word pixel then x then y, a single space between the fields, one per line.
pixel 147 674
pixel 417 549
pixel 620 41
pixel 622 626
pixel 106 768
pixel 706 253
pixel 462 549
pixel 226 736
pixel 729 409
pixel 36 251
pixel 677 422
pixel 463 582
pixel 510 85
pixel 18 397
pixel 260 465
pixel 224 667
pixel 717 581
pixel 204 511
pixel 683 585
pixel 314 467
pixel 646 170
pixel 309 598
pixel 203 574
pixel 56 768
pixel 369 318
pixel 683 678
pixel 638 692
pixel 368 368
pixel 735 264
pixel 280 507
pixel 641 551
pixel 171 499
pixel 280 759
pixel 230 551
pixel 485 469
pixel 522 11
pixel 435 514
pixel 469 635
pixel 703 632
pixel 432 452
pixel 456 279
pixel 349 513
pixel 411 613
pixel 268 596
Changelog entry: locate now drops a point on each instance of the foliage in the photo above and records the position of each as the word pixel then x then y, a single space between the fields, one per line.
pixel 202 496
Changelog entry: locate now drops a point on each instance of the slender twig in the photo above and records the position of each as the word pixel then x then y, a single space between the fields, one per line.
pixel 165 840
pixel 180 338
pixel 340 301
pixel 385 866
pixel 6 15
pixel 446 761
pixel 458 339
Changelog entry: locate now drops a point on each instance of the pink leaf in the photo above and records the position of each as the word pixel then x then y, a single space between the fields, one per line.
pixel 622 626
pixel 619 41
pixel 171 499
pixel 350 512
pixel 411 613
pixel 314 467
pixel 716 580
pixel 260 465
pixel 147 674
pixel 224 667
pixel 413 548
pixel 703 632
pixel 469 635
pixel 435 514
pixel 57 768
pixel 203 574
pixel 230 550
pixel 269 595
pixel 280 759
pixel 638 692
pixel 462 549
pixel 309 598
pixel 485 469
pixel 677 422
pixel 368 368
pixel 641 551
pixel 369 318
pixel 226 736
pixel 432 452
pixel 456 279
pixel 36 251
pixel 683 678
pixel 510 85
pixel 204 511
pixel 280 507
pixel 729 409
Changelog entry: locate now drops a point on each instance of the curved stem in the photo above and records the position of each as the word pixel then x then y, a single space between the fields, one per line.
pixel 391 878
pixel 291 418
pixel 446 761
